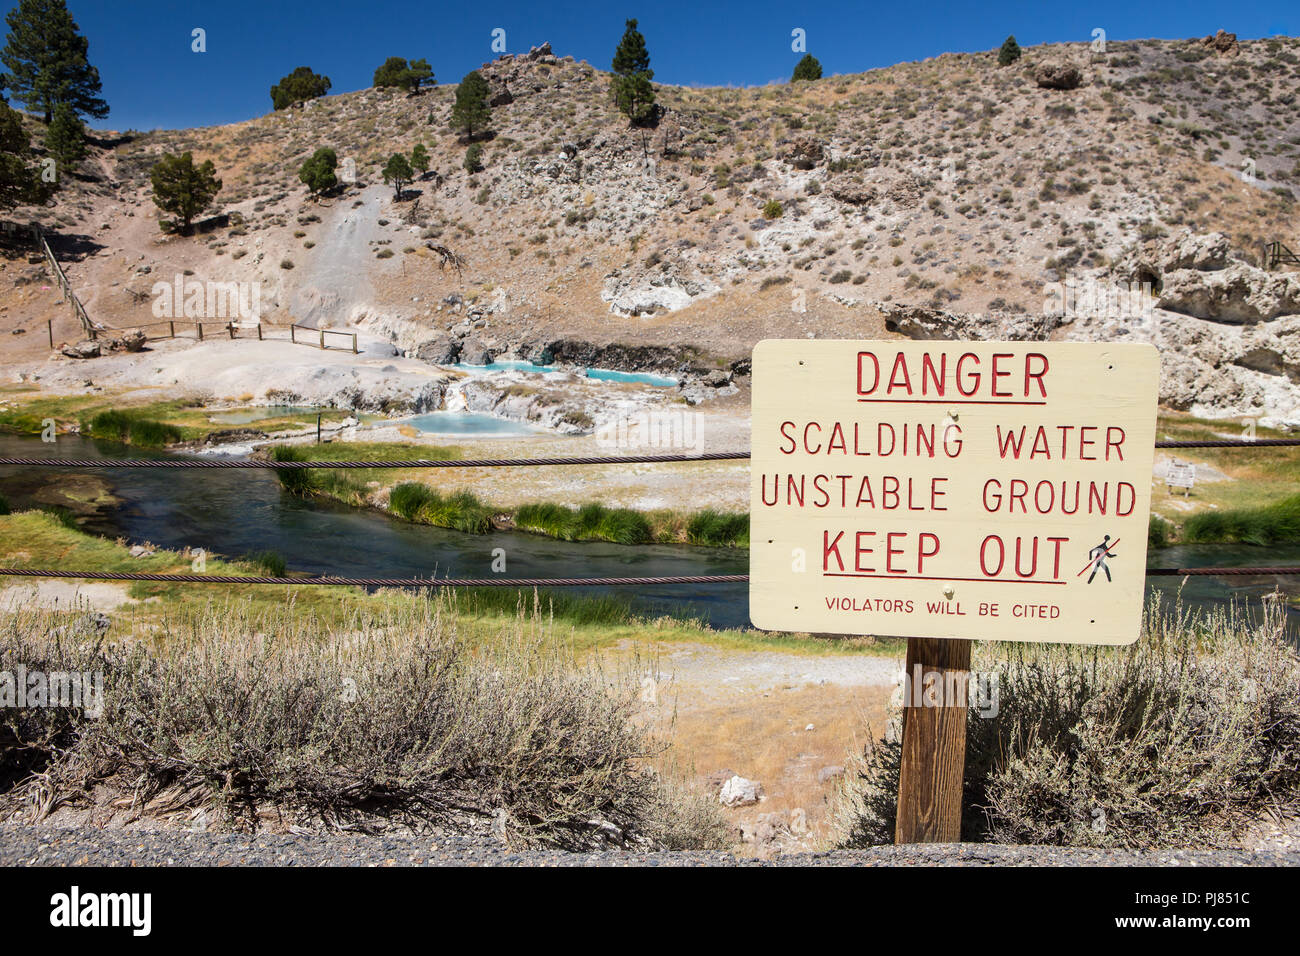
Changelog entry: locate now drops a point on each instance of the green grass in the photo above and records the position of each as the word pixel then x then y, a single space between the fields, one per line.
pixel 718 529
pixel 131 428
pixel 592 522
pixel 1276 523
pixel 270 563
pixel 461 510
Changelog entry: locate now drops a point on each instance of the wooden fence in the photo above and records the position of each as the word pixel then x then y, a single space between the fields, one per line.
pixel 78 310
pixel 322 333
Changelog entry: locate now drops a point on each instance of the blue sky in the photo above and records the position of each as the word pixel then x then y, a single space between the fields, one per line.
pixel 152 78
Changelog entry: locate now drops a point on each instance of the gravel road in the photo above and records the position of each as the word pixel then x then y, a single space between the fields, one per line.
pixel 75 846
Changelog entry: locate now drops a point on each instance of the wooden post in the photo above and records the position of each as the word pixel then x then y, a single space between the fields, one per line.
pixel 198 327
pixel 934 742
pixel 49 324
pixel 322 339
pixel 318 414
pixel 259 331
pixel 171 327
pixel 231 327
pixel 354 343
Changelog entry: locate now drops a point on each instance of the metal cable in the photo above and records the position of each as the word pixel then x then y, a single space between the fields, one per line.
pixel 255 463
pixel 523 582
pixel 378 582
pixel 416 463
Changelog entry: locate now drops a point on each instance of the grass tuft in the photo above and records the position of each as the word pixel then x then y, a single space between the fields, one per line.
pixel 1276 523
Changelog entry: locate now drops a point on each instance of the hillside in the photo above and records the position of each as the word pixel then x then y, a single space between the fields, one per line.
pixel 936 199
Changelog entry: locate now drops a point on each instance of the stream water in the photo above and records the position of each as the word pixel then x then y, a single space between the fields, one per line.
pixel 238 512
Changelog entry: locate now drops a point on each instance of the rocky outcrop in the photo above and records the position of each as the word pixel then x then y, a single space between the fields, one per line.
pixel 1222 43
pixel 632 358
pixel 853 190
pixel 1237 293
pixel 1057 75
pixel 804 152
pixel 85 349
pixel 659 290
pixel 919 322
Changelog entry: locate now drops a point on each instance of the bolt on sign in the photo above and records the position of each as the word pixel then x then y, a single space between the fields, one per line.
pixel 978 490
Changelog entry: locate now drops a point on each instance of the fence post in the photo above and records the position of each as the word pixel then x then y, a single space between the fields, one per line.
pixel 354 344
pixel 198 327
pixel 171 326
pixel 231 327
pixel 934 743
pixel 322 339
pixel 259 330
pixel 49 323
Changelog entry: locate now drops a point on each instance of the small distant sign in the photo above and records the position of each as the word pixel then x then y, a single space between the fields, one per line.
pixel 979 490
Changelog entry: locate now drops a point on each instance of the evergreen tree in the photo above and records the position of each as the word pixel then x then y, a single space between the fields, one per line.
pixel 474 158
pixel 398 172
pixel 391 71
pixel 809 68
pixel 45 57
pixel 630 85
pixel 183 189
pixel 318 172
pixel 471 113
pixel 65 139
pixel 395 71
pixel 418 74
pixel 298 87
pixel 20 180
pixel 1009 53
pixel 420 158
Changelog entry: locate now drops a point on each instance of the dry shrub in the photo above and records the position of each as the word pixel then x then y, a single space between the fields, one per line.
pixel 391 719
pixel 1178 740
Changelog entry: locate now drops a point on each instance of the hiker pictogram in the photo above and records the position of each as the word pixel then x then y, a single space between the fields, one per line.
pixel 1097 558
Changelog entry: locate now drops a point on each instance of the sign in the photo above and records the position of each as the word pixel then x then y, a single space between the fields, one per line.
pixel 979 490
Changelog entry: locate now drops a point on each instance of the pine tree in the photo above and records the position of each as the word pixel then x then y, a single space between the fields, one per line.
pixel 398 172
pixel 418 74
pixel 420 158
pixel 20 180
pixel 391 71
pixel 45 57
pixel 183 189
pixel 318 172
pixel 474 158
pixel 298 87
pixel 630 85
pixel 471 113
pixel 809 68
pixel 65 139
pixel 1009 53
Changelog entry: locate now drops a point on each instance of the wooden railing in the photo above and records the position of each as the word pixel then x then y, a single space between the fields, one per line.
pixel 322 333
pixel 78 310
pixel 1275 253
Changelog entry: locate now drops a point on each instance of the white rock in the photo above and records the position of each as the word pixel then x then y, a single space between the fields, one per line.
pixel 740 792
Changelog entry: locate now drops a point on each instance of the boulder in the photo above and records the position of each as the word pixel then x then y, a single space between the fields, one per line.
pixel 1222 43
pixel 1057 75
pixel 443 350
pixel 853 190
pixel 804 152
pixel 1237 293
pixel 740 792
pixel 85 349
pixel 1188 250
pixel 475 352
pixel 130 341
